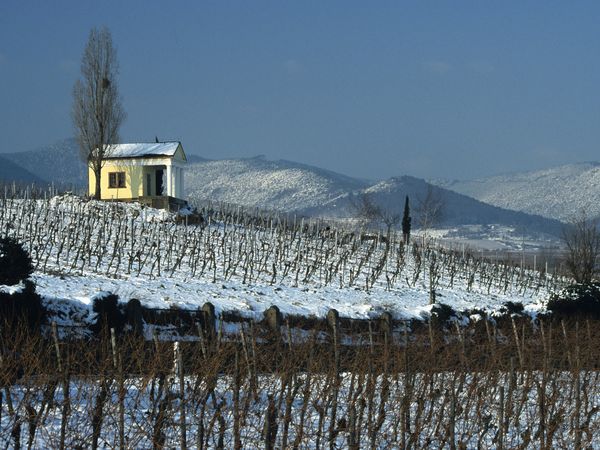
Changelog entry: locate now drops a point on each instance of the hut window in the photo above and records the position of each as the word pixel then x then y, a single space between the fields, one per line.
pixel 116 180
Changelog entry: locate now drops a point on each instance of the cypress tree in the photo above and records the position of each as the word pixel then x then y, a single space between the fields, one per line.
pixel 406 222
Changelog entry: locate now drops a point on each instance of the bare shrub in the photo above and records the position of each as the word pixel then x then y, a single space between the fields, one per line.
pixel 407 388
pixel 582 240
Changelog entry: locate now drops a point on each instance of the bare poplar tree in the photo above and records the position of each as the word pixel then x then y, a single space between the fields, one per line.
pixel 364 209
pixel 369 213
pixel 97 110
pixel 430 209
pixel 582 240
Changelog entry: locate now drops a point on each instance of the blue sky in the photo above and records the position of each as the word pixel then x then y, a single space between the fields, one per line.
pixel 369 89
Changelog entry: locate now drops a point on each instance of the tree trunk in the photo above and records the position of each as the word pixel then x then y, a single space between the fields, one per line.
pixel 97 174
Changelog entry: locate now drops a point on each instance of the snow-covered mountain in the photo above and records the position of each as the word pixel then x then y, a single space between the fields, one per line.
pixel 558 193
pixel 257 182
pixel 293 187
pixel 11 172
pixel 456 210
pixel 58 163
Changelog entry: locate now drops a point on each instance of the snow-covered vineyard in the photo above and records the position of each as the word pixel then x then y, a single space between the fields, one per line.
pixel 202 396
pixel 434 421
pixel 246 263
pixel 508 382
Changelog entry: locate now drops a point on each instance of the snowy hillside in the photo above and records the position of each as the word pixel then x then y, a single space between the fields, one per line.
pixel 558 193
pixel 457 209
pixel 257 182
pixel 58 163
pixel 11 172
pixel 292 187
pixel 306 190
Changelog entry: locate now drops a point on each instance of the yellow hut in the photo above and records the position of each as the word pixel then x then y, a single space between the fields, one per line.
pixel 151 173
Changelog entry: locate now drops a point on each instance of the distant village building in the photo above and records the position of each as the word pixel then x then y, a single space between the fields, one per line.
pixel 151 173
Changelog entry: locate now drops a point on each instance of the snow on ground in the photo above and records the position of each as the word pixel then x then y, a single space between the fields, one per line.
pixel 11 290
pixel 432 422
pixel 495 238
pixel 251 301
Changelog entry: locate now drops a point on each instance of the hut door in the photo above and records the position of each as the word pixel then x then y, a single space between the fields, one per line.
pixel 159 182
pixel 148 185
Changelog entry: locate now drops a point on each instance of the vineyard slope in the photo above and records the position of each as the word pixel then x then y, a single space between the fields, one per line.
pixel 245 263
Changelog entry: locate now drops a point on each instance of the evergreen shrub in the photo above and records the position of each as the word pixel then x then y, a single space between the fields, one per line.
pixel 578 299
pixel 15 262
pixel 109 314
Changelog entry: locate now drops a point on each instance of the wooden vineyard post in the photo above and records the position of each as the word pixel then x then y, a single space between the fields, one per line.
pixel 118 367
pixel 202 342
pixel 461 340
pixel 501 420
pixel 577 387
pixel 406 398
pixel 511 390
pixel 66 386
pixel 181 376
pixel 452 419
pixel 385 322
pixel 249 363
pixel 270 424
pixel 333 319
pixel 56 347
pixel 577 423
pixel 371 345
pixel 113 346
pixel 220 332
pixel 431 339
pixel 564 330
pixel 517 343
pixel 237 442
pixel 200 416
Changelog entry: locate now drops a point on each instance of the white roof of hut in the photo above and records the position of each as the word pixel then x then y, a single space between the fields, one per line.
pixel 141 150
